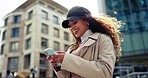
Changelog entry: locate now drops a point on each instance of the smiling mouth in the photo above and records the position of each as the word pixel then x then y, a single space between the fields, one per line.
pixel 74 31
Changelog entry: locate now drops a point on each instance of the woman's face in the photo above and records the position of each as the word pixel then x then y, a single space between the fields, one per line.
pixel 78 27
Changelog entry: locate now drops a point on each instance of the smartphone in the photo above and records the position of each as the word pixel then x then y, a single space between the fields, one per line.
pixel 50 52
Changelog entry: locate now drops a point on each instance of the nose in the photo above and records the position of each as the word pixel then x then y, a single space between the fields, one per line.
pixel 72 27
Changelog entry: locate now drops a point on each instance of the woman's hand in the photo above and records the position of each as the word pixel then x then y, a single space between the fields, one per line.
pixel 56 58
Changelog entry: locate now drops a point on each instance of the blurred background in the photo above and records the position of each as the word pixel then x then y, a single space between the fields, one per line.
pixel 35 25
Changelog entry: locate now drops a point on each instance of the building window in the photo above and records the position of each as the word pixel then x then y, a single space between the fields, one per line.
pixel 56 46
pixel 134 16
pixel 17 19
pixel 0 75
pixel 43 61
pixel 55 19
pixel 144 14
pixel 136 26
pixel 6 22
pixel 128 17
pixel 15 32
pixel 44 43
pixel 44 28
pixel 30 14
pixel 14 46
pixel 27 61
pixel 43 74
pixel 4 35
pixel 116 4
pixel 65 47
pixel 13 63
pixel 28 31
pixel 2 49
pixel 56 32
pixel 66 36
pixel 28 43
pixel 134 3
pixel 44 15
pixel 145 23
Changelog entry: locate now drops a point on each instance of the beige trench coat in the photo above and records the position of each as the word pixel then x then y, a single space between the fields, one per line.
pixel 96 60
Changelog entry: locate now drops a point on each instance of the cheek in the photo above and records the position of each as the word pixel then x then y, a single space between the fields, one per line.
pixel 84 28
pixel 81 31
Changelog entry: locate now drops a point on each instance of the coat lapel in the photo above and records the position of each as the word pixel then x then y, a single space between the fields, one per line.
pixel 92 39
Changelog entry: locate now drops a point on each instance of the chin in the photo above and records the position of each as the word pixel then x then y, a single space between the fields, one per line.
pixel 76 36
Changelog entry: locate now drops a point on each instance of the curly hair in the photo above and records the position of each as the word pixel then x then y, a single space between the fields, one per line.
pixel 107 25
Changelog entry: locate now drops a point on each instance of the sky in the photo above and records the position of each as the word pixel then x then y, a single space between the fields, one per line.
pixel 7 6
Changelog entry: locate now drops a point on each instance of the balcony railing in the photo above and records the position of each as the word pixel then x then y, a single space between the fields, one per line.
pixel 136 75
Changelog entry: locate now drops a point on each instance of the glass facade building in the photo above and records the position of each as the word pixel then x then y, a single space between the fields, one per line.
pixel 134 13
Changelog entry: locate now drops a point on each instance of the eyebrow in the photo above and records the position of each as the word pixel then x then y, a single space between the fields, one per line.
pixel 73 22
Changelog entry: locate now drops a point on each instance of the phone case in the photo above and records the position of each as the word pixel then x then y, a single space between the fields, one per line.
pixel 50 52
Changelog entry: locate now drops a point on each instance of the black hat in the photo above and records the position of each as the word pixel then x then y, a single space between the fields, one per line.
pixel 74 14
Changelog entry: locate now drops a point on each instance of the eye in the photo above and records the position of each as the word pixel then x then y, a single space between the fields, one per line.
pixel 75 22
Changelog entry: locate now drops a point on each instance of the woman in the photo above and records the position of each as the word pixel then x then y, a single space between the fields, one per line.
pixel 96 46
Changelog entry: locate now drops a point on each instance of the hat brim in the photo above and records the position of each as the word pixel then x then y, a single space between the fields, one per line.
pixel 65 22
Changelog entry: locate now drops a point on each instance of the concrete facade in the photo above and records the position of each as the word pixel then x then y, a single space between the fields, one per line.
pixel 42 12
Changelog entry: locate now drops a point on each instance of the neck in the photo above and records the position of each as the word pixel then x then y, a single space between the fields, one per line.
pixel 86 35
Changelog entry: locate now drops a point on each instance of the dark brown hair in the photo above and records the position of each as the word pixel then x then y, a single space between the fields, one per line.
pixel 106 25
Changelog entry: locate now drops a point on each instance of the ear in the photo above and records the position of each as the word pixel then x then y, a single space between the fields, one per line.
pixel 87 23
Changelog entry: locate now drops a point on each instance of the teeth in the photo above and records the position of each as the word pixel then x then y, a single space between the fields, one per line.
pixel 74 31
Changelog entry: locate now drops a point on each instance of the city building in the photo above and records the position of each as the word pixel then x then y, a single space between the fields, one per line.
pixel 1 54
pixel 134 13
pixel 28 30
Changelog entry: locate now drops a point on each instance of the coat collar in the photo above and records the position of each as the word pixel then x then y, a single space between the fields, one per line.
pixel 91 39
pixel 94 36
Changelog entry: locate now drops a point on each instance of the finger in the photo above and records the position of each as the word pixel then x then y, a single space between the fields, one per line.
pixel 49 57
pixel 54 64
pixel 60 52
pixel 58 58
